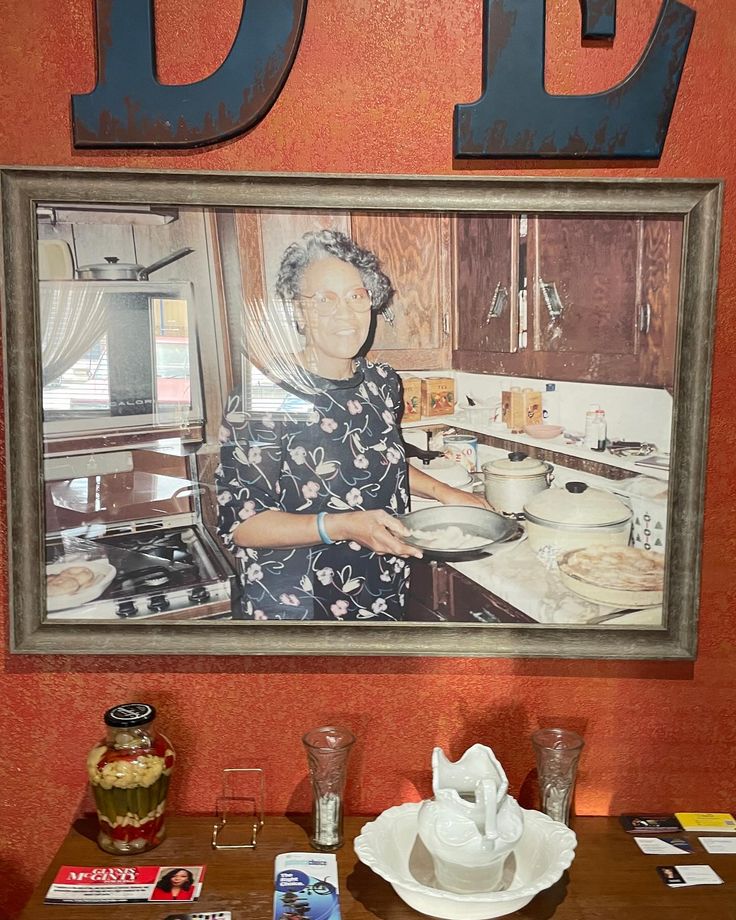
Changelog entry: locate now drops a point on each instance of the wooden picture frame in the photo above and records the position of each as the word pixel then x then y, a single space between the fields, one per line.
pixel 697 203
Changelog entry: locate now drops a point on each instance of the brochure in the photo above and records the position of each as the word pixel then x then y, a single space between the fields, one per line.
pixel 306 886
pixel 125 884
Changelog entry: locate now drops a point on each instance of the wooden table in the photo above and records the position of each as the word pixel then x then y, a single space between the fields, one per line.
pixel 609 878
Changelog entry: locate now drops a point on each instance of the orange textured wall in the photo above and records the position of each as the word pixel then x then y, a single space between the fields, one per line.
pixel 372 91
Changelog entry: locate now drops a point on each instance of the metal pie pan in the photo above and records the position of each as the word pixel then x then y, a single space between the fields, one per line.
pixel 492 527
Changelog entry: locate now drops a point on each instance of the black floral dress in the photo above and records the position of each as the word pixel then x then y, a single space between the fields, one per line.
pixel 342 452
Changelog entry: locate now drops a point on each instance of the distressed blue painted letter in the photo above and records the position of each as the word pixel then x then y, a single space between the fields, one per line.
pixel 130 108
pixel 515 117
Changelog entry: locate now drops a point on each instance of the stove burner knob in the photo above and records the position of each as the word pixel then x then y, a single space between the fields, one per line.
pixel 158 603
pixel 199 595
pixel 126 609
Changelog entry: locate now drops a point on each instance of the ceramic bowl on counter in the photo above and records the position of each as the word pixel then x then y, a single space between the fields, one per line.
pixel 576 517
pixel 543 432
pixel 512 480
pixel 445 470
pixel 391 848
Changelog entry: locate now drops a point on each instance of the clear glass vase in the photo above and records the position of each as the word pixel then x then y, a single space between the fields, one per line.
pixel 557 751
pixel 327 750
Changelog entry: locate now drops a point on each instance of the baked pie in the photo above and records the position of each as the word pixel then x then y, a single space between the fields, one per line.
pixel 618 568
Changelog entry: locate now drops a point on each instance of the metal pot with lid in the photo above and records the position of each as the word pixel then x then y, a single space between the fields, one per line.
pixel 577 516
pixel 513 480
pixel 114 270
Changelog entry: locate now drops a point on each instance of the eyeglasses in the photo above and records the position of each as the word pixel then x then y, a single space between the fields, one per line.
pixel 325 302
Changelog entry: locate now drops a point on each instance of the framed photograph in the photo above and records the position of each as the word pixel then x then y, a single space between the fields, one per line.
pixel 237 406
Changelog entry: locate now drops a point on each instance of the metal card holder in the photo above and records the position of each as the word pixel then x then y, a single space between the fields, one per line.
pixel 230 799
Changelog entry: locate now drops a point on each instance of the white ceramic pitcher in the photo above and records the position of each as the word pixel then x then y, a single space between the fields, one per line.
pixel 472 824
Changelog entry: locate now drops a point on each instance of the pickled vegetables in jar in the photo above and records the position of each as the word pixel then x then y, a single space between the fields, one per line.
pixel 129 773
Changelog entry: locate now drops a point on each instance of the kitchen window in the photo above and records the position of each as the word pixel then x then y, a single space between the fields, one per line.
pixel 118 355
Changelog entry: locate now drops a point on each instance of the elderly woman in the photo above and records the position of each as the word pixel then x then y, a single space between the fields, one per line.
pixel 309 501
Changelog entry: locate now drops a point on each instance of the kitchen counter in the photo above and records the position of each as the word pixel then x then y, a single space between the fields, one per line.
pixel 515 574
pixel 559 445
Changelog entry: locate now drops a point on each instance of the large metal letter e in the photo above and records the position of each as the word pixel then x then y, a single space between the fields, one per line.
pixel 515 117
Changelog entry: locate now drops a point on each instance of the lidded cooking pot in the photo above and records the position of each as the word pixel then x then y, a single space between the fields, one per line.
pixel 512 481
pixel 576 516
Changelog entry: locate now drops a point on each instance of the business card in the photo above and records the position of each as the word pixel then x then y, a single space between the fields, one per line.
pixel 650 824
pixel 660 845
pixel 718 844
pixel 125 884
pixel 718 822
pixel 685 876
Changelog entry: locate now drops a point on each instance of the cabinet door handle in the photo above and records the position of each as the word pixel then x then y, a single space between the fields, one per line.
pixel 446 324
pixel 499 302
pixel 388 314
pixel 552 299
pixel 645 318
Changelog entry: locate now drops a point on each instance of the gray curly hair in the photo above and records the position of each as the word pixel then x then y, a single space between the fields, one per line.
pixel 318 244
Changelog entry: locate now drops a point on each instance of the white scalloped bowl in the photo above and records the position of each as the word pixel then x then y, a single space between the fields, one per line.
pixel 391 847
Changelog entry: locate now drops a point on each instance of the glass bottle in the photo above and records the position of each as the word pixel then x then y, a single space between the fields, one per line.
pixel 590 436
pixel 601 428
pixel 129 773
pixel 328 750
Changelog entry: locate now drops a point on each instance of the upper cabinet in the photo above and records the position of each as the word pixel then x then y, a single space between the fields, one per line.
pixel 486 285
pixel 565 297
pixel 264 237
pixel 590 298
pixel 414 251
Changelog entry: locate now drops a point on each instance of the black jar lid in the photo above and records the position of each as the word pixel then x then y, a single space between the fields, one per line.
pixel 128 715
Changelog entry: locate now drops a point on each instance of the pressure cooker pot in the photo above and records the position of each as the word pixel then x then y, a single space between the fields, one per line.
pixel 575 517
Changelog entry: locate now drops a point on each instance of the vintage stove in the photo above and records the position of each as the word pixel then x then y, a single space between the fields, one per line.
pixel 170 569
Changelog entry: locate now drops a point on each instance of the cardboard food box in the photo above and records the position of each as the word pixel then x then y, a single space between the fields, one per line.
pixel 532 407
pixel 412 399
pixel 512 408
pixel 438 396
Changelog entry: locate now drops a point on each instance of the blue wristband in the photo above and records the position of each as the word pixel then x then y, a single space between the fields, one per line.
pixel 321 528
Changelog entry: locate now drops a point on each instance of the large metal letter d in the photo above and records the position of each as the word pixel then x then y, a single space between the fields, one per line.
pixel 130 108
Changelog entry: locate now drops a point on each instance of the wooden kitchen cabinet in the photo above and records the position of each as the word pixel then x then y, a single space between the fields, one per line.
pixel 601 297
pixel 414 251
pixel 439 593
pixel 486 295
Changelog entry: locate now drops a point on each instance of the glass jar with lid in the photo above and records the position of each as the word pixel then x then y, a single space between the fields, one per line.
pixel 129 773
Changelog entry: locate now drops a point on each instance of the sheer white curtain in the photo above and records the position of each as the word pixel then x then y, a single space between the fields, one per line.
pixel 72 320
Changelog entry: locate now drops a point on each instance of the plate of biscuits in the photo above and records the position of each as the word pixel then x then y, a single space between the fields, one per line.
pixel 71 584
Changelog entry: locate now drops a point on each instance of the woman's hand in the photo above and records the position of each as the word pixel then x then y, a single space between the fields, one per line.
pixel 446 495
pixel 376 530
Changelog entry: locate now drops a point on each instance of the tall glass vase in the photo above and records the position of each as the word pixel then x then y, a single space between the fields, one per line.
pixel 327 754
pixel 558 752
